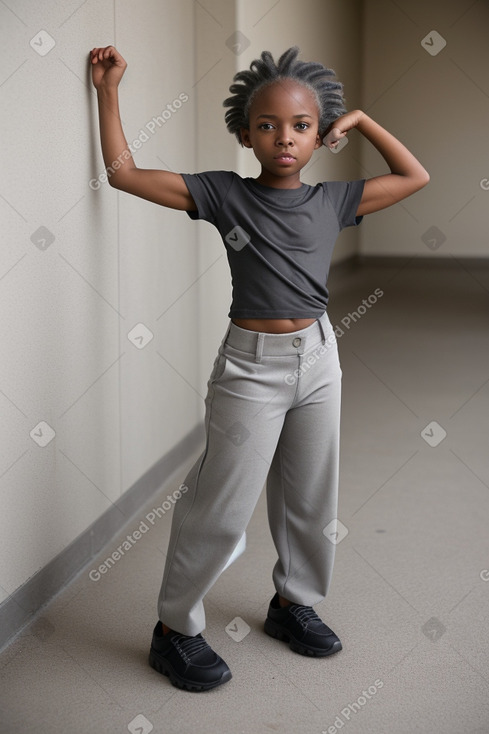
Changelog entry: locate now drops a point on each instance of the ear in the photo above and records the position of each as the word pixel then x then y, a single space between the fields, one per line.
pixel 318 142
pixel 245 137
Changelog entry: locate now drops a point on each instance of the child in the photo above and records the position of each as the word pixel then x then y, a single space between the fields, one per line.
pixel 273 401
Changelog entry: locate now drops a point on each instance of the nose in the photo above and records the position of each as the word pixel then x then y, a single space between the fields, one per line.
pixel 284 138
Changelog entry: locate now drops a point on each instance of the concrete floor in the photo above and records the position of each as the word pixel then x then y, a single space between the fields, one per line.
pixel 410 593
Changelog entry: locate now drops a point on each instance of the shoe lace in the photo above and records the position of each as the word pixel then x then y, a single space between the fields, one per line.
pixel 304 615
pixel 189 645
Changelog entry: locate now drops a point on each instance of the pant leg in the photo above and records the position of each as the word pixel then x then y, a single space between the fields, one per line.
pixel 302 487
pixel 244 418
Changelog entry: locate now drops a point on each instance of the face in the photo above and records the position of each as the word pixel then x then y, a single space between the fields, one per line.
pixel 283 132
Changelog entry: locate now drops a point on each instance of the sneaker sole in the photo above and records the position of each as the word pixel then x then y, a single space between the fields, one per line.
pixel 163 666
pixel 280 633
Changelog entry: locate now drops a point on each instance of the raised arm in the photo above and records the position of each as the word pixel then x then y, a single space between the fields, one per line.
pixel 161 187
pixel 407 174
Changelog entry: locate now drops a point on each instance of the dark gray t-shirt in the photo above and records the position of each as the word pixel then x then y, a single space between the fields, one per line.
pixel 279 242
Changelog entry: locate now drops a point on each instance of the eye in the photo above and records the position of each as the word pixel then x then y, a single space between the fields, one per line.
pixel 266 126
pixel 302 125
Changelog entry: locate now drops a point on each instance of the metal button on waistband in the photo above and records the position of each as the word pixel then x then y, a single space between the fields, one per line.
pixel 297 341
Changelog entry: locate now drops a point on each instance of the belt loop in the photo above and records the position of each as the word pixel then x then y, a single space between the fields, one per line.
pixel 259 347
pixel 321 329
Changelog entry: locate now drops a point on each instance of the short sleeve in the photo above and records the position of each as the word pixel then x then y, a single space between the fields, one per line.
pixel 345 197
pixel 208 190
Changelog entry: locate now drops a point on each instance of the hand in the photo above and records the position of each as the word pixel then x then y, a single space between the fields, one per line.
pixel 338 129
pixel 108 67
pixel 332 138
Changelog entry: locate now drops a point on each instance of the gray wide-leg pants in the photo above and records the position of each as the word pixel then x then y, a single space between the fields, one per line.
pixel 272 416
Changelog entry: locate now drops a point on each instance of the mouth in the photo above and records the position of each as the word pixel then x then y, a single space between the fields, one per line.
pixel 284 158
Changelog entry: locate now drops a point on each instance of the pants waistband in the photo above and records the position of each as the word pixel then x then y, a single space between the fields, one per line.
pixel 278 345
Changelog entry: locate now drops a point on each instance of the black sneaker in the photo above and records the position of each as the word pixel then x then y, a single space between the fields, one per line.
pixel 189 662
pixel 301 627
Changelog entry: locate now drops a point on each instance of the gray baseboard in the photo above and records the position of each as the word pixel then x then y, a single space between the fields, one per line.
pixel 340 272
pixel 356 262
pixel 21 607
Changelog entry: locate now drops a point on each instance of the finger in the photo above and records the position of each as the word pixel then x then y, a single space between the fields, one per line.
pixel 97 54
pixel 334 136
pixel 331 137
pixel 110 52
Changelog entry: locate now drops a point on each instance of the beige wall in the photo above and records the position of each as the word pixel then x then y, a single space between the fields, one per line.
pixel 438 105
pixel 115 261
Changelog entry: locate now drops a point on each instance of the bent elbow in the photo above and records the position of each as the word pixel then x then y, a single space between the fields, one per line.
pixel 424 178
pixel 119 182
pixel 120 176
pixel 421 180
pixel 114 182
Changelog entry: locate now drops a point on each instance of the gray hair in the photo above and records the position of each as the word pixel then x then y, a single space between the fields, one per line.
pixel 321 81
